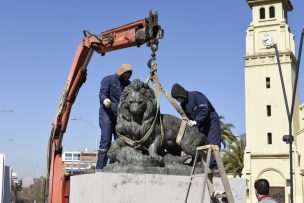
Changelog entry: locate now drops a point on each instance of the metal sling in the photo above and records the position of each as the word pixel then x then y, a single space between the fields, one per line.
pixel 157 86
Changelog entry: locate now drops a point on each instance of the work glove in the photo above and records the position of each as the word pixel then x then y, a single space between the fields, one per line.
pixel 191 123
pixel 107 103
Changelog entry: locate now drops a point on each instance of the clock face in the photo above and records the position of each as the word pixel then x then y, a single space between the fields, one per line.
pixel 267 40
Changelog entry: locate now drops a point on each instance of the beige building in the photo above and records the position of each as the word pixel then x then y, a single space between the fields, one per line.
pixel 266 155
pixel 76 162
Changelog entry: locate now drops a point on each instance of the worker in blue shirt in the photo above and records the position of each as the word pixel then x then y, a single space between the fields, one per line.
pixel 109 95
pixel 201 114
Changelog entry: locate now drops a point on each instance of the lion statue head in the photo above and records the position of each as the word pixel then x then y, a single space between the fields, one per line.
pixel 136 110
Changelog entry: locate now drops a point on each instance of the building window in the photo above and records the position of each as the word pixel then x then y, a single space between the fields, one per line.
pixel 75 166
pixel 269 138
pixel 76 157
pixel 262 13
pixel 268 82
pixel 68 156
pixel 271 12
pixel 68 166
pixel 268 110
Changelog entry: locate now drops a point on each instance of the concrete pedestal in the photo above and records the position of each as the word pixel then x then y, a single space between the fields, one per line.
pixel 145 188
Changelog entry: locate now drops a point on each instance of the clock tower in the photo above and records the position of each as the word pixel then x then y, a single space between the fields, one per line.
pixel 266 155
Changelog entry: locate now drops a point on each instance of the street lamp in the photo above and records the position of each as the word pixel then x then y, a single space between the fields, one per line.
pixel 91 125
pixel 269 43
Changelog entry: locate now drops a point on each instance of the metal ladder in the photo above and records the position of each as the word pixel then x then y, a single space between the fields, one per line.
pixel 206 154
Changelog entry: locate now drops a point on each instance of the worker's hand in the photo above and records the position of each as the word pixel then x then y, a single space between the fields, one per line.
pixel 191 123
pixel 107 103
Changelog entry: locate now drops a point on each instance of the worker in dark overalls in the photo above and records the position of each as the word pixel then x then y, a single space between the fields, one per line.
pixel 201 114
pixel 110 91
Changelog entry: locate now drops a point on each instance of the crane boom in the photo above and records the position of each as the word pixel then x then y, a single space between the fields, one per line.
pixel 137 33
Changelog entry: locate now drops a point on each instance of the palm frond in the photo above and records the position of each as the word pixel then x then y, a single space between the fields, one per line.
pixel 233 158
pixel 227 134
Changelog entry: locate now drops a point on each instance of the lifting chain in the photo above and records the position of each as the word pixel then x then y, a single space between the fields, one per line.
pixel 152 61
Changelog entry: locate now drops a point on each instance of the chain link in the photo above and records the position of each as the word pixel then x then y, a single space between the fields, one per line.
pixel 152 61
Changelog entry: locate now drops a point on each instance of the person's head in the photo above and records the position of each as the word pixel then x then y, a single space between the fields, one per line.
pixel 261 187
pixel 124 71
pixel 179 93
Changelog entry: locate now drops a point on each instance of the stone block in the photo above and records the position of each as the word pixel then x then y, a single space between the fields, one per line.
pixel 145 188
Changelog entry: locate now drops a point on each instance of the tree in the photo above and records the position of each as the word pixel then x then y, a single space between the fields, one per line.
pixel 233 158
pixel 227 134
pixel 35 191
pixel 16 187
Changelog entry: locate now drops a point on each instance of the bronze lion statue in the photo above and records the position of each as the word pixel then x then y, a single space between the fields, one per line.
pixel 136 113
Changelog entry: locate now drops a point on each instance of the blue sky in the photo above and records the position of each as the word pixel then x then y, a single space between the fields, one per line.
pixel 203 50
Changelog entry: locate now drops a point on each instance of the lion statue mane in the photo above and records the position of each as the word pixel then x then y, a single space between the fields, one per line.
pixel 136 110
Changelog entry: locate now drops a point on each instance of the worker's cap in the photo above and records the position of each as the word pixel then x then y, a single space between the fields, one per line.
pixel 178 91
pixel 124 68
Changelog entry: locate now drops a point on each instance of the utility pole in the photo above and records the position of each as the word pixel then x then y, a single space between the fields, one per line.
pixel 268 42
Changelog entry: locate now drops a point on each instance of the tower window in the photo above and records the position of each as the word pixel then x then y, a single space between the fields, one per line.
pixel 268 82
pixel 269 138
pixel 268 110
pixel 271 12
pixel 262 13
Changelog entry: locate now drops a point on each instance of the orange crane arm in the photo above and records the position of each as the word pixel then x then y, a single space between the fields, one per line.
pixel 134 34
